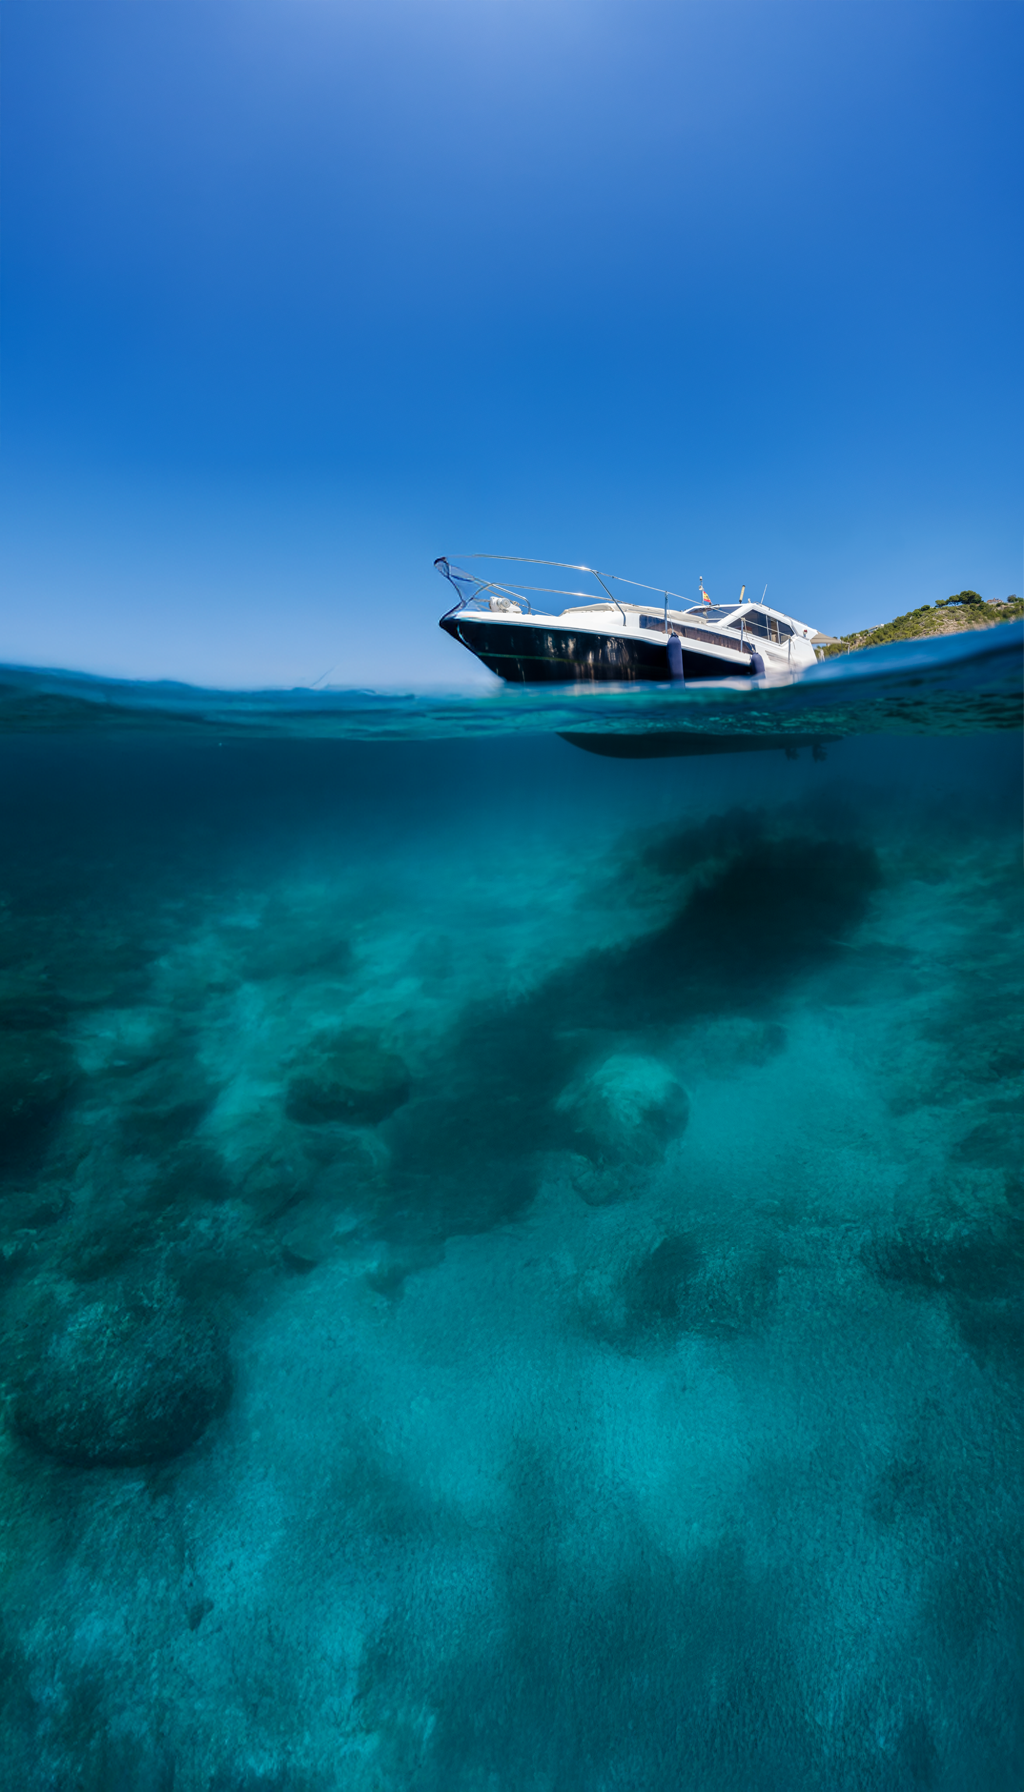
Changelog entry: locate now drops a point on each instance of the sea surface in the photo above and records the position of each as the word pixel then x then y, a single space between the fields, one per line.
pixel 511 1245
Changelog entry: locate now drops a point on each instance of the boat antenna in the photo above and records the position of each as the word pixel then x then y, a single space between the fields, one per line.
pixel 742 589
pixel 764 594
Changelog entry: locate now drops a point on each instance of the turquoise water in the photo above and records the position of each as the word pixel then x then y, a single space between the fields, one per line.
pixel 511 1254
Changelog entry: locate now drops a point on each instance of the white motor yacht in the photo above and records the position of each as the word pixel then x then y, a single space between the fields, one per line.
pixel 607 636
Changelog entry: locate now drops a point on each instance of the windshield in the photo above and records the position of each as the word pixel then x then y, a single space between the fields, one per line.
pixel 711 612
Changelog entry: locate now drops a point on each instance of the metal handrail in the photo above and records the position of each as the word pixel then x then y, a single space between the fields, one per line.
pixel 443 563
pixel 444 567
pixel 572 566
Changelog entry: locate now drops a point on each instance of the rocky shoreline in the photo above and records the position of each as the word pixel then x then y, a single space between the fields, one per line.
pixel 951 616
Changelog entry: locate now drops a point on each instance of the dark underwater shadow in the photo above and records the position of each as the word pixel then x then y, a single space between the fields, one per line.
pixel 765 914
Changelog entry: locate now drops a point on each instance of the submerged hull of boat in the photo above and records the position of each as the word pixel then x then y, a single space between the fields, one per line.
pixel 531 653
pixel 695 746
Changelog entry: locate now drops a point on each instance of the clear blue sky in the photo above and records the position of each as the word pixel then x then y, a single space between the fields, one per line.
pixel 298 295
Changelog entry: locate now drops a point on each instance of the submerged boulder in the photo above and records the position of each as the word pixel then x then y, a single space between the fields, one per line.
pixel 116 1376
pixel 624 1111
pixel 351 1077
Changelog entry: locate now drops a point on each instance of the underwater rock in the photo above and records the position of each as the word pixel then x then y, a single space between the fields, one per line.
pixel 114 1376
pixel 604 1185
pixel 350 1076
pixel 315 1236
pixel 955 1257
pixel 682 1286
pixel 36 1072
pixel 976 1269
pixel 625 1111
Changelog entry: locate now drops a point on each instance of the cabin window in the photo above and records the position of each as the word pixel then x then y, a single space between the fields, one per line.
pixel 756 622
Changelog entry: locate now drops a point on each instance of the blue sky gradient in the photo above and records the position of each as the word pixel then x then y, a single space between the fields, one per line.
pixel 298 295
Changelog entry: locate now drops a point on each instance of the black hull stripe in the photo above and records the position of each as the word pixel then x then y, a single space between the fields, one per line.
pixel 512 653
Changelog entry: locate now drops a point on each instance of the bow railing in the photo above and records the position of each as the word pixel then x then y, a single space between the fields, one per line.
pixel 474 590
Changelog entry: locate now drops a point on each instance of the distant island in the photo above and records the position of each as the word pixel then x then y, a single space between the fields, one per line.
pixel 950 616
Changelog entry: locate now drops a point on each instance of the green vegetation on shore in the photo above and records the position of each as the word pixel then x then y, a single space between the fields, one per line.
pixel 950 616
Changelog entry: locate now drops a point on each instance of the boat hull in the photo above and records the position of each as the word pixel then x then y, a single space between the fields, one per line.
pixel 532 654
pixel 695 746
